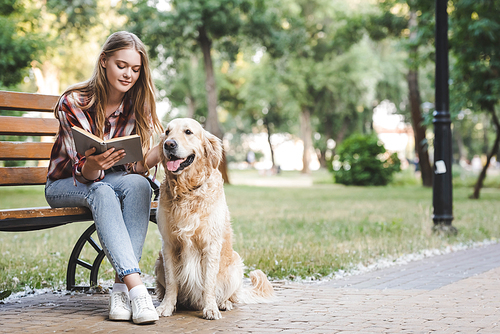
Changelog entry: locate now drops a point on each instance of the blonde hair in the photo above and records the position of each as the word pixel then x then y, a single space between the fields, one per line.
pixel 142 94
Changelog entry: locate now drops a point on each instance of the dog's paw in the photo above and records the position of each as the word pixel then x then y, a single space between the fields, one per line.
pixel 211 313
pixel 226 306
pixel 165 310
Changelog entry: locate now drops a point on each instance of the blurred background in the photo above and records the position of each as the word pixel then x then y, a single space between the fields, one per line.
pixel 285 83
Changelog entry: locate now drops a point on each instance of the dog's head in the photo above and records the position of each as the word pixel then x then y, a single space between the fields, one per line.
pixel 185 145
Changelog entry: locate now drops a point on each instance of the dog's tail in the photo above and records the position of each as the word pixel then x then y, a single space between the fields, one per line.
pixel 160 277
pixel 261 290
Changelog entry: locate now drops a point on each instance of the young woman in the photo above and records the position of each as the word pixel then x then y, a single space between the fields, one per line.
pixel 118 100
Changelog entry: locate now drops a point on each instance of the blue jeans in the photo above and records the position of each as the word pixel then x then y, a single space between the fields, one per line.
pixel 120 205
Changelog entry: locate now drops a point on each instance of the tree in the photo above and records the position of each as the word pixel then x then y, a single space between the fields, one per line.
pixel 70 27
pixel 356 81
pixel 49 37
pixel 189 25
pixel 330 29
pixel 411 21
pixel 266 101
pixel 183 85
pixel 19 44
pixel 476 73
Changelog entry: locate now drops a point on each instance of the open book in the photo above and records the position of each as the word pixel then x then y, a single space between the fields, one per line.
pixel 131 144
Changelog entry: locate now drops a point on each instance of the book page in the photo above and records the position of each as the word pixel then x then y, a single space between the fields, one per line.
pixel 85 140
pixel 131 145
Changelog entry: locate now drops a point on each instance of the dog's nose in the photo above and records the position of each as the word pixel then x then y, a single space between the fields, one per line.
pixel 170 144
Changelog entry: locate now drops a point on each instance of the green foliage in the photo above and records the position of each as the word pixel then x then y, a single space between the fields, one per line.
pixel 393 19
pixel 392 23
pixel 476 48
pixel 74 16
pixel 59 39
pixel 184 87
pixel 18 45
pixel 218 28
pixel 363 161
pixel 476 69
pixel 266 100
pixel 324 73
pixel 229 24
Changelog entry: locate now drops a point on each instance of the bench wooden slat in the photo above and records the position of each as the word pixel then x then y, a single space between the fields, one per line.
pixel 25 126
pixel 25 151
pixel 16 176
pixel 18 220
pixel 42 212
pixel 47 211
pixel 27 101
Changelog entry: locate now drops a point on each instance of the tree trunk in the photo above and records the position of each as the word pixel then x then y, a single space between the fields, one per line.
pixel 419 129
pixel 269 133
pixel 212 123
pixel 322 159
pixel 486 143
pixel 305 126
pixel 494 150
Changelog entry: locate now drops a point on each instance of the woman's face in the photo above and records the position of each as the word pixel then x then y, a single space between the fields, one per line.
pixel 122 69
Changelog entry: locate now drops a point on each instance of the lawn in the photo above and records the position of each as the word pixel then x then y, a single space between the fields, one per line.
pixel 288 232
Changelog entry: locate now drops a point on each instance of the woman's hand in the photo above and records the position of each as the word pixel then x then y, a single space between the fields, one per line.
pixel 93 165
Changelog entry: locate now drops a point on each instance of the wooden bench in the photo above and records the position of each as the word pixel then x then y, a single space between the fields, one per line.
pixel 30 219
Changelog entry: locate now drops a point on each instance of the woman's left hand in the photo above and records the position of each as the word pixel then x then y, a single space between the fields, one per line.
pixel 95 163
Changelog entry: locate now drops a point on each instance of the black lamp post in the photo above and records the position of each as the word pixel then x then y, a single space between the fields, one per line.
pixel 442 199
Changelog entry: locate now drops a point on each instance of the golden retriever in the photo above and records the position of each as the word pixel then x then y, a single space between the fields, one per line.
pixel 197 266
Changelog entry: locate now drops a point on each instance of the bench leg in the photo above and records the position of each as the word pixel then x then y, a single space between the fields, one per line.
pixel 74 260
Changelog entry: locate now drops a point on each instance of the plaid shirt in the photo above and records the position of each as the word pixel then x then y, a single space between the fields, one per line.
pixel 64 160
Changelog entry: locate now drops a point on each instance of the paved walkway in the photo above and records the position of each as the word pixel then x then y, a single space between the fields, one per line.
pixel 453 293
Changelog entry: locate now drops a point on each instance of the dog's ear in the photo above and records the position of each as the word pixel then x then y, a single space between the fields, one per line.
pixel 213 149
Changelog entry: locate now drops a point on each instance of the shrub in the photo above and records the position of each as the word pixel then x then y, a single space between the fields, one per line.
pixel 361 160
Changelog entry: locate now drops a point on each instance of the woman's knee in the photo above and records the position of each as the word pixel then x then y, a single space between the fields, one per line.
pixel 138 185
pixel 101 191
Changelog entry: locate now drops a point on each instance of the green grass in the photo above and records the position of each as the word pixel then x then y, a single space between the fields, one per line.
pixel 315 231
pixel 287 232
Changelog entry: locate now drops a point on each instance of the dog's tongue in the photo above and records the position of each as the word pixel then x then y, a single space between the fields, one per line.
pixel 174 165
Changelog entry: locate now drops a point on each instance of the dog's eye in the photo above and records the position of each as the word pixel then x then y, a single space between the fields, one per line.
pixel 167 132
pixel 188 132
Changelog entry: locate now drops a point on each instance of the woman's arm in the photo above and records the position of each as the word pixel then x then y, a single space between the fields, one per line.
pixel 152 159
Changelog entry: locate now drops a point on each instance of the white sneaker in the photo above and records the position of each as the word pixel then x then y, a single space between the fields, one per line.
pixel 143 310
pixel 119 306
